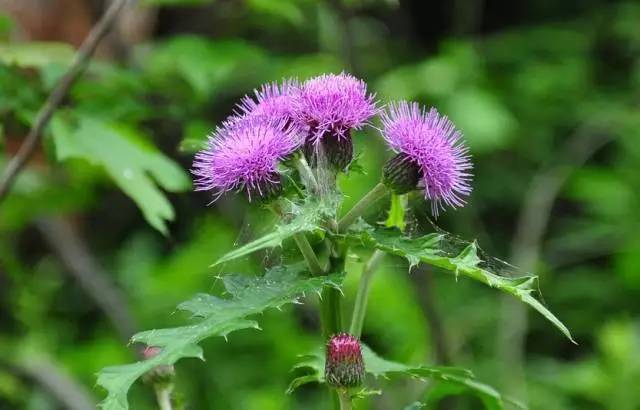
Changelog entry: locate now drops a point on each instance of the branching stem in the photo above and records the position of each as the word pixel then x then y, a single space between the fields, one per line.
pixel 308 254
pixel 360 306
pixel 377 193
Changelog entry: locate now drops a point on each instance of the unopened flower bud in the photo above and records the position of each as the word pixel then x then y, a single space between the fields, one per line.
pixel 344 366
pixel 159 374
pixel 401 174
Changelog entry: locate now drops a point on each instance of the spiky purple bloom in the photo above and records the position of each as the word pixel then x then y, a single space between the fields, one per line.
pixel 273 100
pixel 344 366
pixel 330 106
pixel 245 156
pixel 333 104
pixel 429 147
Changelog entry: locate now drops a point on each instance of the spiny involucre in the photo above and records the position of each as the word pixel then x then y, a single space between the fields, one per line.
pixel 244 155
pixel 429 149
pixel 344 366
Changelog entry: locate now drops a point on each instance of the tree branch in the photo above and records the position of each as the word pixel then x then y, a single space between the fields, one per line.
pixel 80 62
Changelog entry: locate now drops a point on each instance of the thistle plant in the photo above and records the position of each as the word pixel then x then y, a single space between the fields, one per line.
pixel 283 147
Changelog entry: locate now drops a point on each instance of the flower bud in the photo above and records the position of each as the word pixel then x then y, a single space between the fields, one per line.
pixel 159 374
pixel 401 174
pixel 336 151
pixel 344 366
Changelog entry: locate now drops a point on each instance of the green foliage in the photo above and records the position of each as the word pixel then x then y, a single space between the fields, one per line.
pixel 430 249
pixel 216 317
pixel 303 218
pixel 382 368
pixel 135 166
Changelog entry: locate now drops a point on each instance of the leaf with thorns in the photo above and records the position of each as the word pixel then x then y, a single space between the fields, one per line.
pixel 214 316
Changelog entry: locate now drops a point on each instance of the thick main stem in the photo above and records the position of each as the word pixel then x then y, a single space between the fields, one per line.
pixel 360 306
pixel 377 193
pixel 331 312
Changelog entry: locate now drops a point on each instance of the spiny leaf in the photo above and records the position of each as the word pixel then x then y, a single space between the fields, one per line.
pixel 430 249
pixel 305 218
pixel 376 366
pixel 139 169
pixel 215 317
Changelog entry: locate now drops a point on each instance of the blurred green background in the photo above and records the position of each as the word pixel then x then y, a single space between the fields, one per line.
pixel 545 92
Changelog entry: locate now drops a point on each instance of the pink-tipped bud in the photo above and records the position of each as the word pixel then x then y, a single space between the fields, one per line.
pixel 159 374
pixel 344 366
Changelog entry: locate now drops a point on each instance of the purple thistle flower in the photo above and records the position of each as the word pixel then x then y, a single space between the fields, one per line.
pixel 344 366
pixel 333 104
pixel 274 101
pixel 245 155
pixel 429 149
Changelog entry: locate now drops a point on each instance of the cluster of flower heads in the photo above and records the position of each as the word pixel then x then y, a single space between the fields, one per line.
pixel 316 117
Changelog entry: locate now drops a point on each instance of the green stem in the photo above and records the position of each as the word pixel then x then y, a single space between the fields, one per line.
pixel 163 395
pixel 331 311
pixel 308 254
pixel 306 173
pixel 345 399
pixel 377 193
pixel 360 306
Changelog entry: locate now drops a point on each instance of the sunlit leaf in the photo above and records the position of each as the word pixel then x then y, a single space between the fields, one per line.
pixel 139 169
pixel 213 316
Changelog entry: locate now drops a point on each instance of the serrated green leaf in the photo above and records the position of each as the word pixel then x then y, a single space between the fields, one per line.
pixel 136 167
pixel 379 367
pixel 430 249
pixel 215 317
pixel 305 218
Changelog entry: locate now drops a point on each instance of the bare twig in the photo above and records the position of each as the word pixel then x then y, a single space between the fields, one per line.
pixel 80 62
pixel 88 273
pixel 525 252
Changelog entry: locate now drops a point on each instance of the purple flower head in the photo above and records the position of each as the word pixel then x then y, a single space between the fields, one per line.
pixel 333 104
pixel 430 143
pixel 274 101
pixel 245 156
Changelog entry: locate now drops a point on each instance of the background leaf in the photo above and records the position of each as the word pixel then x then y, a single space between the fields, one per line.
pixel 134 166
